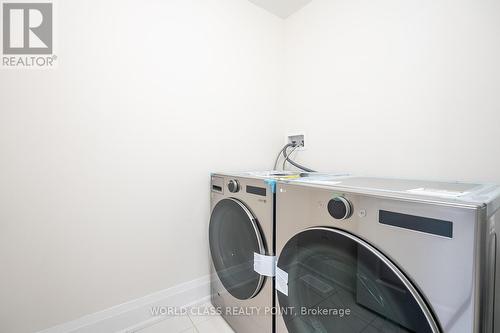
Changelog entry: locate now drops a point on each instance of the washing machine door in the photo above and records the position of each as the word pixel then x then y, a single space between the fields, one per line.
pixel 339 283
pixel 234 238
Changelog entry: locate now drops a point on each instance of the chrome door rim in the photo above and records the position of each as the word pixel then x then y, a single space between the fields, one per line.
pixel 408 284
pixel 258 235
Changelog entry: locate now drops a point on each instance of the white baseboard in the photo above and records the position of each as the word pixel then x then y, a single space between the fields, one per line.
pixel 137 314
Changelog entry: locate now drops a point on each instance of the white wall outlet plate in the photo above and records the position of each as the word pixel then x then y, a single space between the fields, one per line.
pixel 298 138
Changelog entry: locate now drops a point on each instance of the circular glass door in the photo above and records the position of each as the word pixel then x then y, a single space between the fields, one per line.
pixel 234 237
pixel 339 283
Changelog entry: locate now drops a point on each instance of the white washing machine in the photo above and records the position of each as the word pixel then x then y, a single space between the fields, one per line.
pixel 242 247
pixel 379 255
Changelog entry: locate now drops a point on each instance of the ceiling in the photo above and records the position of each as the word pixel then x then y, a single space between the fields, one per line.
pixel 282 8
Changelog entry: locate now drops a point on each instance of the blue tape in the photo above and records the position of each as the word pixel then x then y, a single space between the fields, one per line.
pixel 272 183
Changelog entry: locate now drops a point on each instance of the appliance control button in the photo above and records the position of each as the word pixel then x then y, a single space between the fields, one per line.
pixel 362 213
pixel 339 208
pixel 233 186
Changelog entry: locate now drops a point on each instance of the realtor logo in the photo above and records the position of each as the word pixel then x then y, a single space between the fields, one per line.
pixel 27 30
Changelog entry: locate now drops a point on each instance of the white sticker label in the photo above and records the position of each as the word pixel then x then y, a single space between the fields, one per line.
pixel 281 281
pixel 436 192
pixel 264 265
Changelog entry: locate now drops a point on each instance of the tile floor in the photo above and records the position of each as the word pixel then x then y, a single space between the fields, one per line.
pixel 192 323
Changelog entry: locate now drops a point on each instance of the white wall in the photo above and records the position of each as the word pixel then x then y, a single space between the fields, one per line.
pixel 396 88
pixel 105 161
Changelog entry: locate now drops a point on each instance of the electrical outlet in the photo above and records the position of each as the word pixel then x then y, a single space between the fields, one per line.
pixel 297 139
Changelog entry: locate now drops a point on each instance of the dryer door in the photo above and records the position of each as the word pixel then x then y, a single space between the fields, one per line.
pixel 234 238
pixel 339 283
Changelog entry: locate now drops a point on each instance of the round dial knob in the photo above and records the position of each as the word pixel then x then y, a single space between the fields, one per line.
pixel 339 208
pixel 233 186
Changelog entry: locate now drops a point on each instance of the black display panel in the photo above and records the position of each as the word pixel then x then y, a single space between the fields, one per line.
pixel 417 223
pixel 256 190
